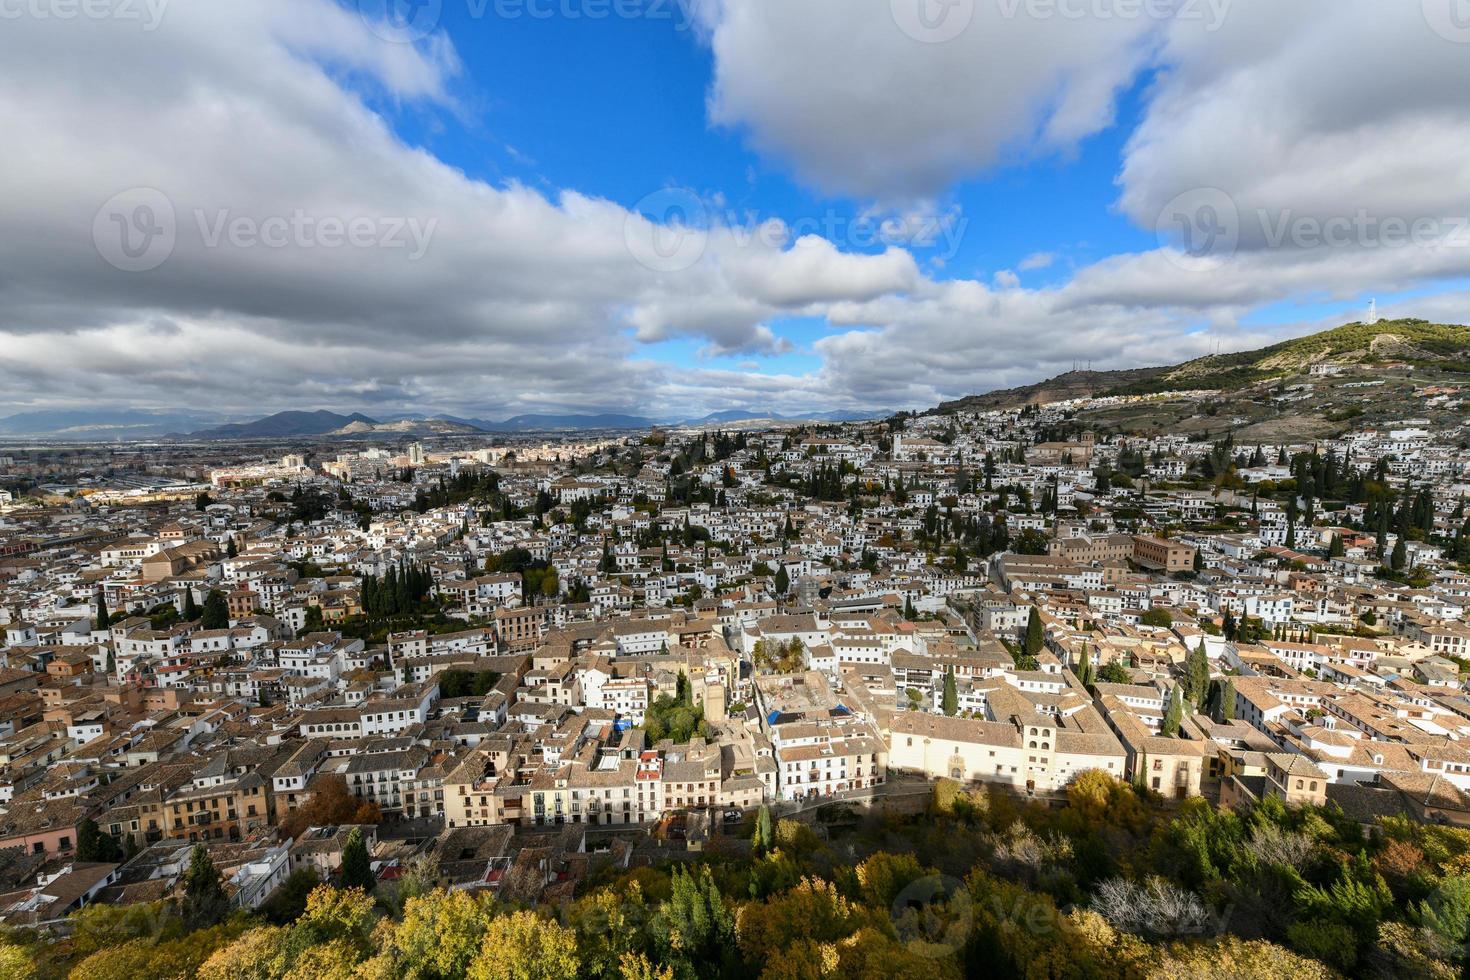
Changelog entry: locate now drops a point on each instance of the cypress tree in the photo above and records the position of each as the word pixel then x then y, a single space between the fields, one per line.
pixel 357 869
pixel 1197 667
pixel 216 615
pixel 951 703
pixel 762 840
pixel 103 619
pixel 94 845
pixel 1034 641
pixel 205 901
pixel 1173 716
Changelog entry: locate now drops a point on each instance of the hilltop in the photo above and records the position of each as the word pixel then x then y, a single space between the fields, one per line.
pixel 1415 343
pixel 1379 374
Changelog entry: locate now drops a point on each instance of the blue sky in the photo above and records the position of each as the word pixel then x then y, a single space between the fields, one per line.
pixel 1034 176
pixel 617 107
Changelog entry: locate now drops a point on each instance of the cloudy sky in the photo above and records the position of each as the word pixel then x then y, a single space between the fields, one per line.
pixel 489 207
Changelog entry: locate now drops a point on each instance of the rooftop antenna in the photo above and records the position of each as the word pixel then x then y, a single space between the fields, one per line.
pixel 1372 312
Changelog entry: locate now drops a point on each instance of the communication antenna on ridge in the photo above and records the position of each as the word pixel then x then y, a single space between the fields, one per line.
pixel 1372 312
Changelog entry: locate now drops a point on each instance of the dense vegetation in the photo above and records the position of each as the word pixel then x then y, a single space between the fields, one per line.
pixel 1113 884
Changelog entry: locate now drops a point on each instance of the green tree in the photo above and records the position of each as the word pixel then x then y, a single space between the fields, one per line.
pixel 191 608
pixel 1227 701
pixel 1157 616
pixel 762 840
pixel 312 622
pixel 950 701
pixel 288 902
pixel 216 615
pixel 1197 675
pixel 94 845
pixel 103 619
pixel 1173 716
pixel 1034 640
pixel 440 935
pixel 1084 671
pixel 783 581
pixel 694 924
pixel 205 902
pixel 524 946
pixel 357 869
pixel 1400 556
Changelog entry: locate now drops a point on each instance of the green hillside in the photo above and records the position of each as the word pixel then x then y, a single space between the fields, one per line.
pixel 1388 371
pixel 1417 344
pixel 1413 342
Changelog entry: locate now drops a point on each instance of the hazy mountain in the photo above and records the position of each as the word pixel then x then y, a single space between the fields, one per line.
pixel 102 424
pixel 728 415
pixel 331 425
pixel 412 427
pixel 529 423
pixel 285 424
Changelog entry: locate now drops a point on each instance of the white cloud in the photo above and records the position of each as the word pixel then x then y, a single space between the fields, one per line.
pixel 245 111
pixel 524 301
pixel 860 107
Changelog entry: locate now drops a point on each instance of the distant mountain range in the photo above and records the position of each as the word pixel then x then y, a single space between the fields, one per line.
pixel 1418 342
pixel 534 423
pixel 285 425
pixel 105 425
